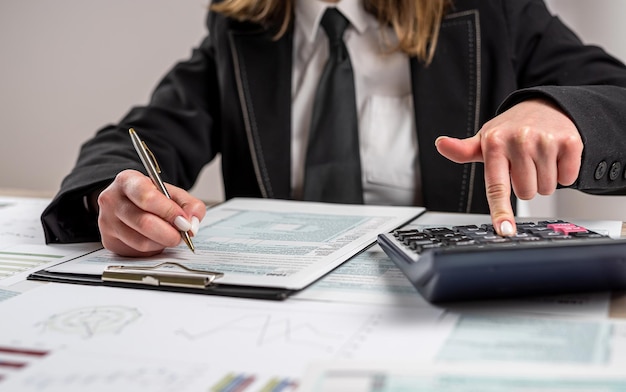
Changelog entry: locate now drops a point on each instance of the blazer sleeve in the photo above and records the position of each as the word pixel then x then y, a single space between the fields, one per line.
pixel 587 83
pixel 176 124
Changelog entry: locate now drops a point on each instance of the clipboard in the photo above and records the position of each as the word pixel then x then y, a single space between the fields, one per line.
pixel 155 276
pixel 180 279
pixel 262 248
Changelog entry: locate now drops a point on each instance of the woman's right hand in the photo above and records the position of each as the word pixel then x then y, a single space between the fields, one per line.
pixel 136 219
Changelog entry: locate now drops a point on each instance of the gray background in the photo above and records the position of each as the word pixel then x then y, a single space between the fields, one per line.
pixel 68 67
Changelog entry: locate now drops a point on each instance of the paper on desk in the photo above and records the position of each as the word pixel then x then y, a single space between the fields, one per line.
pixel 255 337
pixel 269 243
pixel 22 244
pixel 6 294
pixel 243 336
pixel 395 376
pixel 551 340
pixel 19 261
pixel 372 278
pixel 369 278
pixel 84 368
pixel 81 369
pixel 19 220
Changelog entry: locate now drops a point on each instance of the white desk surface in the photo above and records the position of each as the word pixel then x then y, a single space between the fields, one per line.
pixel 75 338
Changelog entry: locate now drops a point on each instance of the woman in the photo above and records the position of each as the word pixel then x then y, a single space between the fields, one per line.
pixel 508 83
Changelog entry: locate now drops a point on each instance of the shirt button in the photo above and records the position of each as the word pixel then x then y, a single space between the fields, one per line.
pixel 600 170
pixel 615 171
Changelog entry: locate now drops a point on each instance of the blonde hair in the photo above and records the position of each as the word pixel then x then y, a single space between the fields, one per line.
pixel 415 22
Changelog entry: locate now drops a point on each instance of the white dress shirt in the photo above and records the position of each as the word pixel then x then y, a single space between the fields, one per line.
pixel 387 136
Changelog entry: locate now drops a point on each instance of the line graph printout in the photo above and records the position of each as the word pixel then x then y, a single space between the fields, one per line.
pixel 291 336
pixel 269 243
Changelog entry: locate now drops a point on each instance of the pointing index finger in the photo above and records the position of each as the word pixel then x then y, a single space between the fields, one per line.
pixel 498 188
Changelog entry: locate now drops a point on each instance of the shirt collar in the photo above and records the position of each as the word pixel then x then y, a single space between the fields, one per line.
pixel 309 14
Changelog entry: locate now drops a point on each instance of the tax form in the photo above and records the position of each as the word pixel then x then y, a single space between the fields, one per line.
pixel 267 243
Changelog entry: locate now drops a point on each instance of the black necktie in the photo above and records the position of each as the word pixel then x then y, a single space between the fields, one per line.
pixel 333 166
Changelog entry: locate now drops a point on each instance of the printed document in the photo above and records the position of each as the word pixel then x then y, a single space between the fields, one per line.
pixel 22 244
pixel 268 243
pixel 367 376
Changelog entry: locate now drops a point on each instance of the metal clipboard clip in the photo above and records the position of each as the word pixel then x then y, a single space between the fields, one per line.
pixel 174 275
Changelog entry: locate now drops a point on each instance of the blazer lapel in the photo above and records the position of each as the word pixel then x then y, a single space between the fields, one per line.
pixel 263 72
pixel 263 64
pixel 442 88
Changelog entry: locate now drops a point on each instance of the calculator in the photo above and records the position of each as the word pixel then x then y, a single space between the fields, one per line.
pixel 472 262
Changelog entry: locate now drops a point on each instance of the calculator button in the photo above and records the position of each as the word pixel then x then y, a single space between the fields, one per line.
pixel 588 234
pixel 526 239
pixel 479 234
pixel 457 238
pixel 496 240
pixel 555 236
pixel 438 231
pixel 411 235
pixel 464 243
pixel 540 229
pixel 550 221
pixel 400 234
pixel 417 243
pixel 469 229
pixel 435 245
pixel 567 228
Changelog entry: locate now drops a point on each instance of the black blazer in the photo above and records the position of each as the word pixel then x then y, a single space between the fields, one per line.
pixel 232 97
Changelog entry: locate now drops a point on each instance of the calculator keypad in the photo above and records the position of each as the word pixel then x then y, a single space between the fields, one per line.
pixel 480 236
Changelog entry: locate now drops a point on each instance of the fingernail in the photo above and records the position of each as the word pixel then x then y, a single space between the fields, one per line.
pixel 437 140
pixel 195 225
pixel 182 224
pixel 506 228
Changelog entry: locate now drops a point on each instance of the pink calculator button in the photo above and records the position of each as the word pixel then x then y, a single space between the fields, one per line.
pixel 566 228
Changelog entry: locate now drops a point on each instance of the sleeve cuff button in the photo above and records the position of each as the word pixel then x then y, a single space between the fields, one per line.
pixel 600 170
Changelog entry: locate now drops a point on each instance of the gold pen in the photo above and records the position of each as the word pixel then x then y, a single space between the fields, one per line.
pixel 152 167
